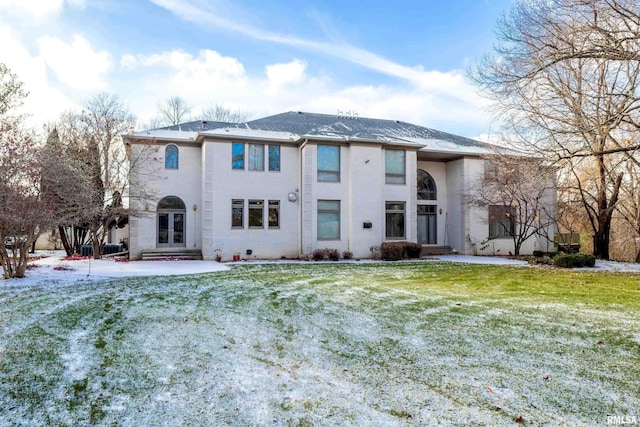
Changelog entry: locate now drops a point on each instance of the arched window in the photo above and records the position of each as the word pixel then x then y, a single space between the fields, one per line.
pixel 426 186
pixel 171 202
pixel 171 157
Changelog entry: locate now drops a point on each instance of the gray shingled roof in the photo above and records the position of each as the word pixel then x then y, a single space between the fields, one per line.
pixel 326 125
pixel 200 125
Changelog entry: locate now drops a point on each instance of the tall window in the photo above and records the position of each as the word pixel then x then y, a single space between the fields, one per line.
pixel 274 213
pixel 328 219
pixel 274 158
pixel 426 186
pixel 395 166
pixel 237 155
pixel 256 213
pixel 395 220
pixel 256 157
pixel 171 157
pixel 501 221
pixel 237 213
pixel 329 163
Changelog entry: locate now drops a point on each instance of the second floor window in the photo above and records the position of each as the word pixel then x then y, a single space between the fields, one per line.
pixel 395 167
pixel 171 157
pixel 274 158
pixel 329 163
pixel 237 155
pixel 256 157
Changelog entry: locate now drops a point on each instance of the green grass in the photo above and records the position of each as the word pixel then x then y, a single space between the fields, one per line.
pixel 309 344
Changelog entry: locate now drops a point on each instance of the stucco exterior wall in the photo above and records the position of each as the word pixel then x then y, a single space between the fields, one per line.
pixel 365 198
pixel 455 218
pixel 184 182
pixel 478 221
pixel 223 184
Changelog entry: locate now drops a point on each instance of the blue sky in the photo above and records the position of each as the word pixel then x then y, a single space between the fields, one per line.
pixel 402 60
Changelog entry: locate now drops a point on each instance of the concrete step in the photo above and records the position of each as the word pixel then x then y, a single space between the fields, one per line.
pixel 435 250
pixel 171 253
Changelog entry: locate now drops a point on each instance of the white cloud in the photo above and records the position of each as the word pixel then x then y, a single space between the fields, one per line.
pixel 280 75
pixel 76 64
pixel 209 78
pixel 44 102
pixel 38 8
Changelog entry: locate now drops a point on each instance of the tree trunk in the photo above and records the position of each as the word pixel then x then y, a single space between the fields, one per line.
pixel 65 241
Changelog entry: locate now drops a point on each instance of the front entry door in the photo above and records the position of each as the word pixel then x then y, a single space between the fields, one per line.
pixel 427 224
pixel 171 229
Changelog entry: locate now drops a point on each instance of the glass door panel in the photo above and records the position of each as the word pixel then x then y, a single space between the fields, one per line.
pixel 427 224
pixel 178 229
pixel 163 229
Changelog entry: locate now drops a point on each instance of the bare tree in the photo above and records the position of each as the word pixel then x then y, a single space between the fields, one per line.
pixel 517 191
pixel 65 184
pixel 101 167
pixel 173 111
pixel 564 81
pixel 220 113
pixel 24 213
pixel 12 92
pixel 629 207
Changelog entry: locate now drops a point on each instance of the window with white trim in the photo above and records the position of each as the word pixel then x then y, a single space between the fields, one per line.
pixel 501 221
pixel 256 157
pixel 328 219
pixel 171 157
pixel 274 213
pixel 274 158
pixel 237 155
pixel 394 216
pixel 329 163
pixel 256 213
pixel 237 213
pixel 395 169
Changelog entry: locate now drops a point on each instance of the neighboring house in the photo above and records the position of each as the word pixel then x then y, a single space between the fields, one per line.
pixel 285 185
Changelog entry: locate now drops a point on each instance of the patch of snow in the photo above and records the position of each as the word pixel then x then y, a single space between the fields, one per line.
pixel 470 259
pixel 55 268
pixel 75 361
pixel 615 266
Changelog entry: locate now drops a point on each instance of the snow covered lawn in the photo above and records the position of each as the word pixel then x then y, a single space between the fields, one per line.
pixel 323 344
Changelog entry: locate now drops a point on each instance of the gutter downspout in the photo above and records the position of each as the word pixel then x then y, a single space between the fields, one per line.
pixel 301 192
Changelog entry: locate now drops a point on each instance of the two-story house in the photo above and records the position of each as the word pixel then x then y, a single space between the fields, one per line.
pixel 285 185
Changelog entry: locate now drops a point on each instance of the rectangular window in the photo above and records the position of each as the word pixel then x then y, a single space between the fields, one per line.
pixel 274 158
pixel 328 220
pixel 237 213
pixel 329 163
pixel 395 167
pixel 274 213
pixel 256 157
pixel 501 221
pixel 256 213
pixel 237 155
pixel 395 220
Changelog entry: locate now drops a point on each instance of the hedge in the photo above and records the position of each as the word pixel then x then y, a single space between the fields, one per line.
pixel 574 260
pixel 394 251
